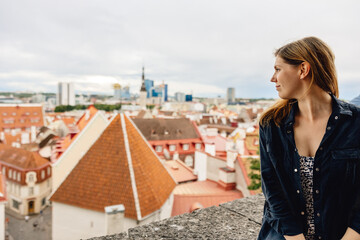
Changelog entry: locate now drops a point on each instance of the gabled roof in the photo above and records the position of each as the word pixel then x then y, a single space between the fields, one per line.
pixel 86 117
pixel 120 168
pixel 21 115
pixel 179 171
pixel 21 158
pixel 166 129
pixel 208 193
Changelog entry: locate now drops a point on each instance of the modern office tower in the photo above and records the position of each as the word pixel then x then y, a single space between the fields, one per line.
pixel 188 97
pixel 66 94
pixel 160 91
pixel 117 91
pixel 230 95
pixel 180 97
pixel 148 85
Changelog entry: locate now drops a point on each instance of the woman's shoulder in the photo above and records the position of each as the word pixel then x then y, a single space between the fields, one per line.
pixel 346 106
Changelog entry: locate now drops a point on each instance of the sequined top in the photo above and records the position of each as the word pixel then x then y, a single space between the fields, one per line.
pixel 306 176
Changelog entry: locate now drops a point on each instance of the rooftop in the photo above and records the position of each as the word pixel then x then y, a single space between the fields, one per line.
pixel 239 219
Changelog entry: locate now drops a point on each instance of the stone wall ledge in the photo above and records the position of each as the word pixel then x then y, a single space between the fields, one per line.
pixel 239 219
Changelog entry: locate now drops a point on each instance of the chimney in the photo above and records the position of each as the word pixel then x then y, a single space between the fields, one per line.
pixel 230 158
pixel 33 133
pixel 114 219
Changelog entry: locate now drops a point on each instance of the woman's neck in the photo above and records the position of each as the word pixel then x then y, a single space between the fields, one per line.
pixel 315 105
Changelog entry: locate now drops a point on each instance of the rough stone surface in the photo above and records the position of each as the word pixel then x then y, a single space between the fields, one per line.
pixel 250 207
pixel 112 237
pixel 239 219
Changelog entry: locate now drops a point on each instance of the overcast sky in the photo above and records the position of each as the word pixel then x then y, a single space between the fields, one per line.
pixel 198 46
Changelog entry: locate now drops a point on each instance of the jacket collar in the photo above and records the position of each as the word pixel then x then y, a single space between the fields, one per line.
pixel 338 107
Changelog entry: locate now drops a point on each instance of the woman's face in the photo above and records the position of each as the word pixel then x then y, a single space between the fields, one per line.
pixel 287 79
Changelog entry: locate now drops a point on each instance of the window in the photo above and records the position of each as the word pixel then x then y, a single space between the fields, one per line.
pixel 4 113
pixel 22 120
pixel 14 175
pixel 186 147
pixel 14 113
pixel 15 204
pixel 19 177
pixel 35 113
pixel 198 146
pixel 158 148
pixel 31 191
pixel 3 171
pixel 42 174
pixel 172 147
pixel 43 201
pixel 10 173
pixel 48 171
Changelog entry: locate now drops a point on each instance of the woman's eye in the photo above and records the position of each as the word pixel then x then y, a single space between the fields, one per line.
pixel 277 69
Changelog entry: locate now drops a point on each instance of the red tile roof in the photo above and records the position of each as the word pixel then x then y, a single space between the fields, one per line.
pixel 218 140
pixel 20 116
pixel 207 193
pixel 21 158
pixel 2 187
pixel 65 142
pixel 179 171
pixel 106 176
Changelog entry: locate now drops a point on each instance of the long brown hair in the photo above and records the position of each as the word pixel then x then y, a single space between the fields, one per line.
pixel 322 71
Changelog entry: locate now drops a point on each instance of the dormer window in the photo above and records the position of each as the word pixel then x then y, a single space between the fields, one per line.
pixel 42 174
pixel 158 148
pixel 172 147
pixel 185 146
pixel 197 146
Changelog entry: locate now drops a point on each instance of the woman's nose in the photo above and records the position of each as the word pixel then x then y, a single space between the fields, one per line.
pixel 273 78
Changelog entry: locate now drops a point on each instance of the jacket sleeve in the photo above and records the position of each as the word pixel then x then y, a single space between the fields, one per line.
pixel 355 220
pixel 278 213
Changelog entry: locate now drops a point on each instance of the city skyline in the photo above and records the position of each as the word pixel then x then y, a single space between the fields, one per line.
pixel 203 49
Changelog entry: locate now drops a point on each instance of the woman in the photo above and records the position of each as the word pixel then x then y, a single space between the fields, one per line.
pixel 310 150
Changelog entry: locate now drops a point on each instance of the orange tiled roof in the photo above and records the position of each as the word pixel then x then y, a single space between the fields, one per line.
pixel 207 193
pixel 179 171
pixel 20 116
pixel 65 142
pixel 11 138
pixel 102 177
pixel 21 158
pixel 84 119
pixel 2 188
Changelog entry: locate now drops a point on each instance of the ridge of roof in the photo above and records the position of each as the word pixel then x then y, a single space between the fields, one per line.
pixel 102 177
pixel 131 169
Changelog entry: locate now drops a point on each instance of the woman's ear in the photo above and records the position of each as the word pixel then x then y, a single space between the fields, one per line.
pixel 304 70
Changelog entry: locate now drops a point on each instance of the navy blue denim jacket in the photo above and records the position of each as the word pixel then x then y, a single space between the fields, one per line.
pixel 336 177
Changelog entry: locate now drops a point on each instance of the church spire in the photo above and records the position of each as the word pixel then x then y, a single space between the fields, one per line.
pixel 143 88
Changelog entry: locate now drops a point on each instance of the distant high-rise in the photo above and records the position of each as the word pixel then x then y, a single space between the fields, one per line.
pixel 180 97
pixel 66 94
pixel 230 95
pixel 148 85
